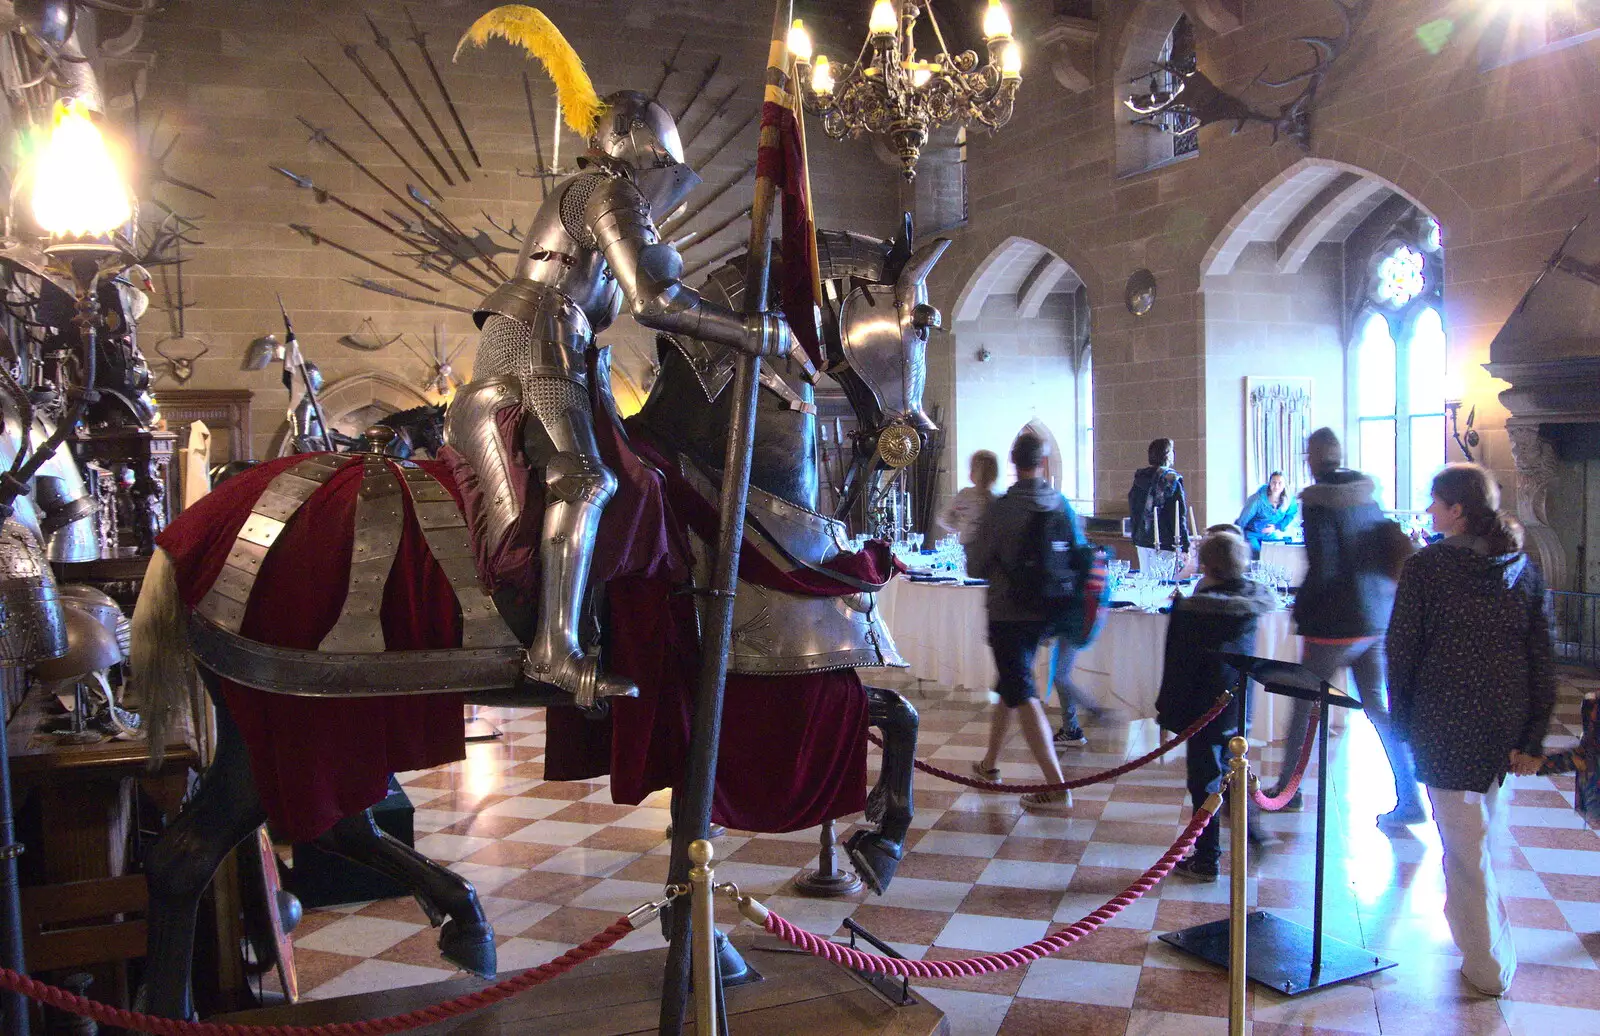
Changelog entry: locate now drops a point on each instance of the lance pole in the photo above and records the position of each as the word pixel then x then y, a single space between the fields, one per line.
pixel 375 131
pixel 405 77
pixel 292 348
pixel 320 136
pixel 692 808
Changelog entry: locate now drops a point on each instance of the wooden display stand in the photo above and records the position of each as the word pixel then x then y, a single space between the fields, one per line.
pixel 618 994
pixel 84 910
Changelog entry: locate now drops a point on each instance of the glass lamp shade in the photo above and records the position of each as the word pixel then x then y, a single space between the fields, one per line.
pixel 800 43
pixel 822 76
pixel 884 21
pixel 1011 61
pixel 996 22
pixel 79 190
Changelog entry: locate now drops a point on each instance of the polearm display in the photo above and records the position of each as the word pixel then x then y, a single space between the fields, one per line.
pixel 387 47
pixel 353 53
pixel 403 160
pixel 420 38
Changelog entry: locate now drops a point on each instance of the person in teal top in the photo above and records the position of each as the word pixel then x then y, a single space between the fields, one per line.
pixel 1268 513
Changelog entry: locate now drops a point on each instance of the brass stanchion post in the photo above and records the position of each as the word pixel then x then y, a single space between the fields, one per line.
pixel 703 939
pixel 1238 836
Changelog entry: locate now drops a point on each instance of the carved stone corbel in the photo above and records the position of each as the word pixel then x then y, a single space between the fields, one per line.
pixel 1537 467
pixel 1071 42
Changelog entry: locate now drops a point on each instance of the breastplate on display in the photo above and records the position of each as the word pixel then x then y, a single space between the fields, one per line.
pixel 559 252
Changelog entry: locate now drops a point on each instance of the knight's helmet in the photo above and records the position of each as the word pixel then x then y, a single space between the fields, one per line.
pixel 640 134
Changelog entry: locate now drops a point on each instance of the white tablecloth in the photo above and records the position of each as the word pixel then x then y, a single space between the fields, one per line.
pixel 940 630
pixel 1291 557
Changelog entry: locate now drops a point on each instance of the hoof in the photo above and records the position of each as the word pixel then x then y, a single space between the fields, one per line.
pixel 469 946
pixel 876 858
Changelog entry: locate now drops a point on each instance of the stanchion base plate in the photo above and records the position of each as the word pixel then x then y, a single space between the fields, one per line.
pixel 823 886
pixel 1280 953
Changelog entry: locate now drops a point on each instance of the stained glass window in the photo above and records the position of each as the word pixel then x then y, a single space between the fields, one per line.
pixel 1398 359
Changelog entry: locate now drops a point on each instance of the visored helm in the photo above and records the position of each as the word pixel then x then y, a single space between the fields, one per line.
pixel 637 131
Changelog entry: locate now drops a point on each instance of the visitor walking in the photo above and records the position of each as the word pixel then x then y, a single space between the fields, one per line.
pixel 1472 686
pixel 1157 506
pixel 1016 627
pixel 964 513
pixel 1342 608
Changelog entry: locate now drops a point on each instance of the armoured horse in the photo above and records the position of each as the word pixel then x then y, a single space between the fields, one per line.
pixel 409 525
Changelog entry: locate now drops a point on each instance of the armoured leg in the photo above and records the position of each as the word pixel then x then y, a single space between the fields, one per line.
pixel 577 487
pixel 224 811
pixel 466 940
pixel 877 853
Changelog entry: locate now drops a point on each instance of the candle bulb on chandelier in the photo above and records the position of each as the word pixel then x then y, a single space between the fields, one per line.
pixel 78 188
pixel 884 21
pixel 822 76
pixel 996 22
pixel 800 43
pixel 1011 62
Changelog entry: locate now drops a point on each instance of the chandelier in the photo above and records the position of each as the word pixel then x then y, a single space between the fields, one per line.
pixel 891 93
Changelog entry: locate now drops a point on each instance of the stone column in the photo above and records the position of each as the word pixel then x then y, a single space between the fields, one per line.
pixel 1537 465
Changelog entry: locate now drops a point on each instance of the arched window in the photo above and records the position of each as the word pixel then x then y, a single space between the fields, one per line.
pixel 1399 353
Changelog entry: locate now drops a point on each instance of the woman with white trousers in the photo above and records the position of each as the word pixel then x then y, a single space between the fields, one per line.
pixel 1471 687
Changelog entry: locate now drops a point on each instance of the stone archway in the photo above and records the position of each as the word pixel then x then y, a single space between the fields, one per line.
pixel 352 404
pixel 1021 329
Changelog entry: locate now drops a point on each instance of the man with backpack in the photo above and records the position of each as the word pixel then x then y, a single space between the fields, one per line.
pixel 1341 611
pixel 1026 549
pixel 1157 506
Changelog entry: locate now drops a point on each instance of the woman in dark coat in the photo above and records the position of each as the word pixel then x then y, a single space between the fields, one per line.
pixel 1471 687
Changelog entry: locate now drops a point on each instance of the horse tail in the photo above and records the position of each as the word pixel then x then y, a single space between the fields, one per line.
pixel 162 667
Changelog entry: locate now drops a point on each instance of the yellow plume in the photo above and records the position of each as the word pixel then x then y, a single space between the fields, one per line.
pixel 528 28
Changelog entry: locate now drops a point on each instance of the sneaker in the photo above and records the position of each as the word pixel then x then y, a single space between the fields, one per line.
pixel 1397 818
pixel 1070 738
pixel 1189 870
pixel 986 773
pixel 1048 801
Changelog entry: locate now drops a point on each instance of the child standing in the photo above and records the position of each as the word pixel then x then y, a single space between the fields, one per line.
pixel 1221 615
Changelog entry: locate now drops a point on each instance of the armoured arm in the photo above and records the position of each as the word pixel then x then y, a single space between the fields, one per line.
pixel 650 273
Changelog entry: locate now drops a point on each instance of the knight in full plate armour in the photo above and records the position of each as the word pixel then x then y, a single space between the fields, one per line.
pixel 592 247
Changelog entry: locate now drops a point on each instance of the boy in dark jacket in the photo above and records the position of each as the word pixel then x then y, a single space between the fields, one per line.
pixel 1341 610
pixel 1221 615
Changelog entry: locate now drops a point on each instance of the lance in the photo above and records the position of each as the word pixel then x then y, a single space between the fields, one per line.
pixel 716 110
pixel 394 59
pixel 384 289
pixel 705 80
pixel 668 67
pixel 420 38
pixel 375 130
pixel 692 809
pixel 321 137
pixel 707 235
pixel 450 225
pixel 538 145
pixel 353 52
pixel 291 347
pixel 730 138
pixel 317 239
pixel 677 222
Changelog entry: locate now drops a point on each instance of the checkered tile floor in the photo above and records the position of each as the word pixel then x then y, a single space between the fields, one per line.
pixel 555 863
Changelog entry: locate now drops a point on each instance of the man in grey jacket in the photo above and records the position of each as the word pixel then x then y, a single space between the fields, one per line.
pixel 1015 629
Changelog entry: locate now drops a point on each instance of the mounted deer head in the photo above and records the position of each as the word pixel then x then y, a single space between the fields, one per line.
pixel 180 368
pixel 1205 103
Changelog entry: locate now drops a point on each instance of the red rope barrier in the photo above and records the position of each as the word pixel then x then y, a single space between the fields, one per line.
pixel 1081 782
pixel 1273 803
pixel 106 1014
pixel 991 962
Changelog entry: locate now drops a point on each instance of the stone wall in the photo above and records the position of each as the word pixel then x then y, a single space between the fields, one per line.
pixel 231 77
pixel 1260 323
pixel 1502 158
